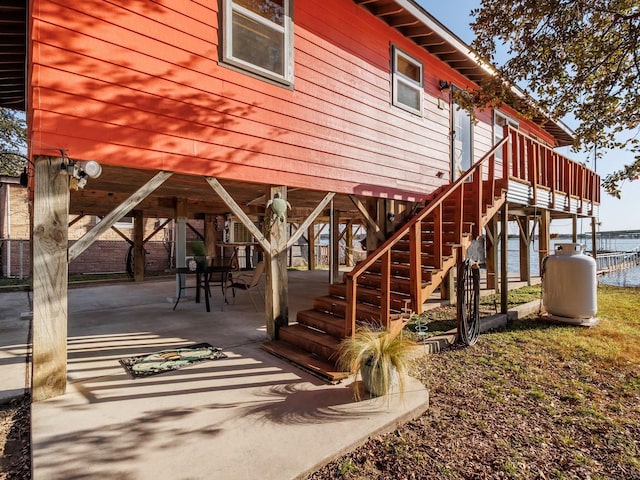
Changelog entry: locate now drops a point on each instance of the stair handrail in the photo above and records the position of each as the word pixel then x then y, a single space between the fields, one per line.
pixel 544 167
pixel 385 249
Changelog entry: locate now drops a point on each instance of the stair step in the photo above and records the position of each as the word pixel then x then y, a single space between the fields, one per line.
pixel 373 279
pixel 401 270
pixel 338 307
pixel 405 257
pixel 427 247
pixel 307 361
pixel 371 297
pixel 331 324
pixel 323 345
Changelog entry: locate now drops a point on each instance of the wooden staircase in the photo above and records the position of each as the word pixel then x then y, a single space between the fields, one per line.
pixel 400 275
pixel 412 264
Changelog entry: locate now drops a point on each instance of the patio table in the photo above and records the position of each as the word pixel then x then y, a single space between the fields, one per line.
pixel 203 276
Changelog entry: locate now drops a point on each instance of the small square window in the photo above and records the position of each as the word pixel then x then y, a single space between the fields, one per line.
pixel 258 37
pixel 407 82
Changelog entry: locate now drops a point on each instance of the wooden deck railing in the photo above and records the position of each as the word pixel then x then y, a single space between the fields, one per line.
pixel 531 161
pixel 523 158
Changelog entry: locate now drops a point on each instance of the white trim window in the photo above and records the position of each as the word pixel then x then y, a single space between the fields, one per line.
pixel 258 37
pixel 407 82
pixel 500 120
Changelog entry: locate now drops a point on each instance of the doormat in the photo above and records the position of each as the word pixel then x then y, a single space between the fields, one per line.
pixel 167 360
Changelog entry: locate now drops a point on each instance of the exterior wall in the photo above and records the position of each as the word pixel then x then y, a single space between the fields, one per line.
pixel 141 86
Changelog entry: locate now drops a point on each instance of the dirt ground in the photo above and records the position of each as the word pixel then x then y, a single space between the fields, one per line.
pixel 15 440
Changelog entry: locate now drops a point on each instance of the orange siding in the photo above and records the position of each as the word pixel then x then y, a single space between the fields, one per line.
pixel 138 84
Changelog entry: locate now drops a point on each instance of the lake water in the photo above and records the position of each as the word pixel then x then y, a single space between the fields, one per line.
pixel 629 277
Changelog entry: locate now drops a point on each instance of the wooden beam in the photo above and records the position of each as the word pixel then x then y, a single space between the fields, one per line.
pixel 348 251
pixel 138 246
pixel 277 285
pixel 50 270
pixel 122 234
pixel 334 251
pixel 504 259
pixel 238 212
pixel 75 220
pixel 311 261
pixel 116 214
pixel 491 230
pixel 369 219
pixel 210 240
pixel 310 219
pixel 157 229
pixel 524 250
pixel 544 241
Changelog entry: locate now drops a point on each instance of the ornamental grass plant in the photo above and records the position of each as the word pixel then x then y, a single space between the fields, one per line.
pixel 380 357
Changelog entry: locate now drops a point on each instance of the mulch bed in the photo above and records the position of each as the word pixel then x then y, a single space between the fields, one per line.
pixel 15 443
pixel 499 411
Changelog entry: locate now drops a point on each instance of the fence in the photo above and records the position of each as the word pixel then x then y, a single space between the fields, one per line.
pixel 612 261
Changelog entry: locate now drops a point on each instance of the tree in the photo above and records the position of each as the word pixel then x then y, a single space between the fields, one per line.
pixel 13 140
pixel 576 57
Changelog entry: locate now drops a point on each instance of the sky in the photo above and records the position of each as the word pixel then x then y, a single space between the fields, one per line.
pixel 623 214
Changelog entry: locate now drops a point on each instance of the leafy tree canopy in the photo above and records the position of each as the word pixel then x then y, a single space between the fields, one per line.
pixel 13 134
pixel 576 57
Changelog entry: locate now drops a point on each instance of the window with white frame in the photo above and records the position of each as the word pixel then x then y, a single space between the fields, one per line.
pixel 407 82
pixel 258 37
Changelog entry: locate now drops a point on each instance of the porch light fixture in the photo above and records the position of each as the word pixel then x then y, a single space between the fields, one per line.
pixel 80 171
pixel 444 85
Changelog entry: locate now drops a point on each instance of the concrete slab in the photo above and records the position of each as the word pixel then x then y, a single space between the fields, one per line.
pixel 248 416
pixel 14 335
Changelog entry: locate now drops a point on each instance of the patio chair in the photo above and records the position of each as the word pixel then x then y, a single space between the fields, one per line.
pixel 224 278
pixel 248 281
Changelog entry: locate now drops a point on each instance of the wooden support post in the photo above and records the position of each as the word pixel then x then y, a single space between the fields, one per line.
pixel 574 228
pixel 50 270
pixel 415 271
pixel 544 241
pixel 525 249
pixel 447 288
pixel 375 237
pixel 138 246
pixel 504 256
pixel 277 283
pixel 210 240
pixel 312 247
pixel 491 229
pixel 334 251
pixel 348 252
pixel 181 251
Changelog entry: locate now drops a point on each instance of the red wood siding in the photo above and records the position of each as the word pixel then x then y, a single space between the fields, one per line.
pixel 138 84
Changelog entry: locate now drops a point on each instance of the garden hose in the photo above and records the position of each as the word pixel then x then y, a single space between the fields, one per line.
pixel 468 303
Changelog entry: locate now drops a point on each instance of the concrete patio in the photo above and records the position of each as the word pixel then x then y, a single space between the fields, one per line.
pixel 248 416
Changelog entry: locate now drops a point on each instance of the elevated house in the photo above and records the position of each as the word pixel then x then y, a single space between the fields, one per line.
pixel 344 108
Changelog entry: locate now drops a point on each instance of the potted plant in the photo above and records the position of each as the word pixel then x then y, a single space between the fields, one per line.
pixel 199 252
pixel 379 356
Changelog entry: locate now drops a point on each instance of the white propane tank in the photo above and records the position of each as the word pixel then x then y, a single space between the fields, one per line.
pixel 569 283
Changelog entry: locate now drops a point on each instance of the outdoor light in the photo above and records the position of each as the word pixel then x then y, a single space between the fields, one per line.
pixel 24 178
pixel 91 168
pixel 80 171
